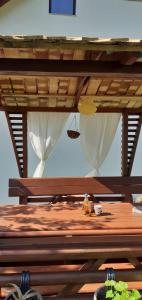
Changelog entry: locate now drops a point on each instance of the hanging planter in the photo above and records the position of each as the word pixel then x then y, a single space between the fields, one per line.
pixel 73 133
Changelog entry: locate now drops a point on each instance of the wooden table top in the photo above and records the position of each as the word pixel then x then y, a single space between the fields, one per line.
pixel 117 218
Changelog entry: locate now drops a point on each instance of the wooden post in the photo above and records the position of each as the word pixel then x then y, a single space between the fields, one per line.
pixel 124 143
pixel 25 146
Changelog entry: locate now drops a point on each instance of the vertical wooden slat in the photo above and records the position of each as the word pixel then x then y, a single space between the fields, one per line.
pixel 131 126
pixel 135 143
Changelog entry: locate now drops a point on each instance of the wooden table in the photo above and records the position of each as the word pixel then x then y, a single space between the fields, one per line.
pixel 59 237
pixel 31 227
pixel 116 218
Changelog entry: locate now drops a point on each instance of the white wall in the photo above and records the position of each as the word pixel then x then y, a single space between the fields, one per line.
pixel 100 18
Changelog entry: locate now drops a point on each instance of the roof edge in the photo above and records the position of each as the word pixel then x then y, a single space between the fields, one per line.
pixel 66 42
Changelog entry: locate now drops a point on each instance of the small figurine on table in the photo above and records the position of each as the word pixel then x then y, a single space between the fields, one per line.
pixel 88 206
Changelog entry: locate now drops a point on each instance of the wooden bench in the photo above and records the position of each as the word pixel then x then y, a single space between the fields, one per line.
pixel 47 189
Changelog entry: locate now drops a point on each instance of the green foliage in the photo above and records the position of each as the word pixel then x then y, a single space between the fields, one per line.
pixel 119 291
pixel 17 294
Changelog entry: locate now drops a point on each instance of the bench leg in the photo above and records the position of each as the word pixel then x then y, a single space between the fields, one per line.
pixel 23 200
pixel 128 198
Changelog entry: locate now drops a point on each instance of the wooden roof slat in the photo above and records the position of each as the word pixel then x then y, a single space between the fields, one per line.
pixel 80 43
pixel 93 86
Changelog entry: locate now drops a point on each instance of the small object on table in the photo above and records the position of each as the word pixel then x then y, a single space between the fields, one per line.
pixel 88 206
pixel 98 209
pixel 137 205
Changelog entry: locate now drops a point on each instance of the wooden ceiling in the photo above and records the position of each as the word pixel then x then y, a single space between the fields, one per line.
pixel 56 78
pixel 60 92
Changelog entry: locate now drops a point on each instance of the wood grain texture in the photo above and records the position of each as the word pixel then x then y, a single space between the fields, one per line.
pixel 69 218
pixel 75 186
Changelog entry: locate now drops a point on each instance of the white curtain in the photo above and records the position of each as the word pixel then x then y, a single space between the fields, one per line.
pixel 44 130
pixel 96 136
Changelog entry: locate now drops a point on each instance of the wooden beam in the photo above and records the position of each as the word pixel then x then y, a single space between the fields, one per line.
pixel 135 262
pixel 71 68
pixel 82 83
pixel 68 110
pixel 63 109
pixel 89 266
pixel 71 277
pixel 79 296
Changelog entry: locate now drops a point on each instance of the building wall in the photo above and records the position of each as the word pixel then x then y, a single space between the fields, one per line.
pixel 97 18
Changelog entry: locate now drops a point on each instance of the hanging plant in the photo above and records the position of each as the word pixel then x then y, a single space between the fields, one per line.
pixel 73 133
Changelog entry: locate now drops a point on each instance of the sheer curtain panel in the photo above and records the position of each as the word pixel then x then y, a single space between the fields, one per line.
pixel 96 136
pixel 44 130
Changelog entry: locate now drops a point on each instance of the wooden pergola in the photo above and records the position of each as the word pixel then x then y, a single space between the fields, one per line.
pixel 64 250
pixel 53 74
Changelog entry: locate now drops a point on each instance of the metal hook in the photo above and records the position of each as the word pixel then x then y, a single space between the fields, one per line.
pixel 110 274
pixel 25 282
